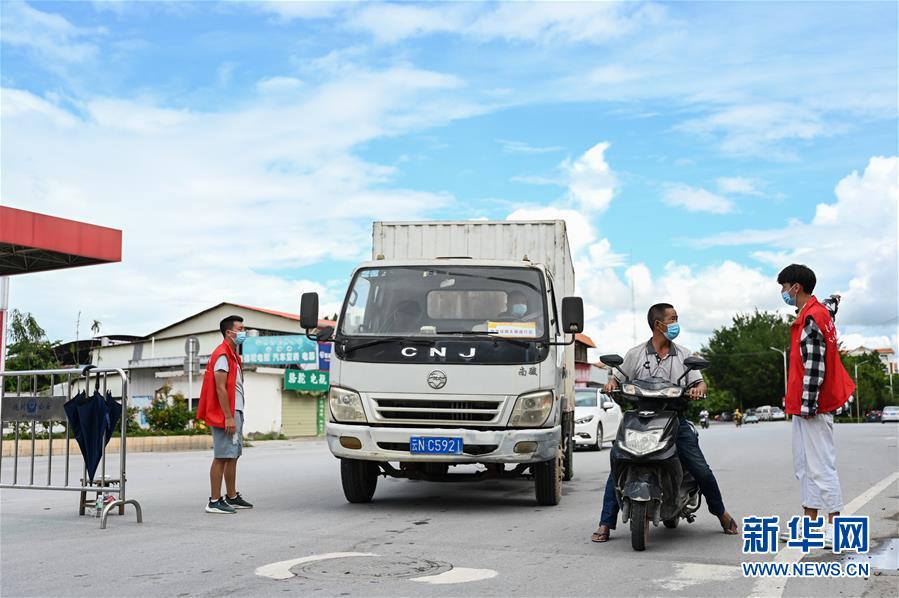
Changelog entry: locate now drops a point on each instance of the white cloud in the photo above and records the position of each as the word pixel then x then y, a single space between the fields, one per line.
pixel 695 199
pixel 591 181
pixel 289 10
pixel 540 22
pixel 278 84
pixel 50 36
pixel 214 206
pixel 850 244
pixel 521 147
pixel 757 129
pixel 738 185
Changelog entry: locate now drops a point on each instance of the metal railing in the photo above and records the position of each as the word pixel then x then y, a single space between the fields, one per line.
pixel 46 407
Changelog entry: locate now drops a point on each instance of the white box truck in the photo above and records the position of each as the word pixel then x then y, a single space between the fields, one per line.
pixel 454 346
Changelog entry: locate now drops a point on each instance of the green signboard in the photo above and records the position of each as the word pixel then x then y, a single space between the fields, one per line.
pixel 320 428
pixel 303 380
pixel 280 350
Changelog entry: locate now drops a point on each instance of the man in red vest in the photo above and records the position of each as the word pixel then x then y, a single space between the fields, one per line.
pixel 817 385
pixel 221 407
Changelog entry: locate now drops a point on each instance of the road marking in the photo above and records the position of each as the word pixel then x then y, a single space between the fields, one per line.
pixel 692 574
pixel 282 569
pixel 774 586
pixel 460 575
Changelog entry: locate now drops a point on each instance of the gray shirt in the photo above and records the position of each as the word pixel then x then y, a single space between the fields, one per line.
pixel 643 362
pixel 221 365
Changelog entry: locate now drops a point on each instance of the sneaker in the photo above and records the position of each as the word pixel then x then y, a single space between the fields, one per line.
pixel 220 507
pixel 237 502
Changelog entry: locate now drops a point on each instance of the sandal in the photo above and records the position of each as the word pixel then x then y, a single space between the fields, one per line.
pixel 601 534
pixel 730 528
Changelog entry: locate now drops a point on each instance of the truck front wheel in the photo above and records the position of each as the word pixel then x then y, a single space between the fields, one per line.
pixel 548 481
pixel 359 479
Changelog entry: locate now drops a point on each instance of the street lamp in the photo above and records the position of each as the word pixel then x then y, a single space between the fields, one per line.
pixel 858 402
pixel 784 353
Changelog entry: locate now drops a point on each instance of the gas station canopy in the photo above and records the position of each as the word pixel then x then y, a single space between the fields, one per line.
pixel 31 242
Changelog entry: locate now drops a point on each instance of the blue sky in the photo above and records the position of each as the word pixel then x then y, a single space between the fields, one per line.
pixel 245 147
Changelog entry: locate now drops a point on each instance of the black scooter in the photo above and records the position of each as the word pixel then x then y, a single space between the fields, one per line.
pixel 704 422
pixel 650 483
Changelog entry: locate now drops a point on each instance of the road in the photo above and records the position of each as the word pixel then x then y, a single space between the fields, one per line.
pixel 491 535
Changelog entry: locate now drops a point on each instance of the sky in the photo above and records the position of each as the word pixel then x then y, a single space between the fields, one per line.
pixel 244 148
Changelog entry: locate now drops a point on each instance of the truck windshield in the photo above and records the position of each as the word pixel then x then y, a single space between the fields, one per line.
pixel 447 300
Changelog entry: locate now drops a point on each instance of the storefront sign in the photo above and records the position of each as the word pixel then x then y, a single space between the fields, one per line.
pixel 309 381
pixel 280 350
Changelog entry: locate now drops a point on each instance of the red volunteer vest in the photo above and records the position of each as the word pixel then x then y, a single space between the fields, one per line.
pixel 209 409
pixel 837 384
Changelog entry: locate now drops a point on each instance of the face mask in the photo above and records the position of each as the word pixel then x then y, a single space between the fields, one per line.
pixel 519 309
pixel 788 298
pixel 673 331
pixel 240 337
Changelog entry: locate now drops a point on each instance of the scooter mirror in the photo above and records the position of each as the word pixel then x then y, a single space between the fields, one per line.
pixel 695 363
pixel 612 360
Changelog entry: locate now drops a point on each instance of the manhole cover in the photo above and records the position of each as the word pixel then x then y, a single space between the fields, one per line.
pixel 370 568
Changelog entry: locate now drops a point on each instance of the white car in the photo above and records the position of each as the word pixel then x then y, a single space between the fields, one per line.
pixel 596 418
pixel 889 414
pixel 777 414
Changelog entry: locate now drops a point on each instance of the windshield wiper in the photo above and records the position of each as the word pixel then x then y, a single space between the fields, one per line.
pixel 389 339
pixel 493 335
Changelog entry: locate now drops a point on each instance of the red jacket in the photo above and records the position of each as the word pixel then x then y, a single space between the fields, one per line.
pixel 209 409
pixel 838 386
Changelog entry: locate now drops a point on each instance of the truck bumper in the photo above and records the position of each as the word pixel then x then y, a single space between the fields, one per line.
pixel 479 446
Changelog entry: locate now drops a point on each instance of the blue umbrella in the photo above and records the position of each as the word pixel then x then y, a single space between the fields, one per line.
pixel 92 420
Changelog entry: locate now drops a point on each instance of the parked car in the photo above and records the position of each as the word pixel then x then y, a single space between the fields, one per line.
pixel 873 416
pixel 764 412
pixel 726 416
pixel 777 414
pixel 596 418
pixel 889 414
pixel 750 417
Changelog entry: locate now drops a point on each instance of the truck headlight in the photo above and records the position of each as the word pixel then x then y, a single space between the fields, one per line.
pixel 584 420
pixel 641 443
pixel 532 409
pixel 346 405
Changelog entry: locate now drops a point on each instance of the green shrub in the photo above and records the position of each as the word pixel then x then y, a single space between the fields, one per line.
pixel 168 413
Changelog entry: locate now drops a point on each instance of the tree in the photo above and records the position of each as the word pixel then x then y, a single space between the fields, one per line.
pixel 872 386
pixel 742 362
pixel 29 349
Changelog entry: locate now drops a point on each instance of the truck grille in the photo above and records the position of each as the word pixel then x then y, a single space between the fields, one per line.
pixel 431 410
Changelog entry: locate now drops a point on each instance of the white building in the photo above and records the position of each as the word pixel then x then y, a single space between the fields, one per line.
pixel 885 354
pixel 159 359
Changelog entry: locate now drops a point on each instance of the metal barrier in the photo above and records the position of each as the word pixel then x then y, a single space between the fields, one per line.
pixel 47 407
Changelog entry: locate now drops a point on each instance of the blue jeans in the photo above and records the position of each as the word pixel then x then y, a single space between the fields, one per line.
pixel 692 459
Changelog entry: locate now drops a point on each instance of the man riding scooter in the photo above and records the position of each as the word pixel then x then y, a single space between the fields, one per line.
pixel 660 357
pixel 704 418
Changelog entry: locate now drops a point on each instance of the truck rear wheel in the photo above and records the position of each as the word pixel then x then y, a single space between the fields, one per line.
pixel 359 479
pixel 548 481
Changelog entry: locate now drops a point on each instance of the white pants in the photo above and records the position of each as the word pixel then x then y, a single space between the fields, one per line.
pixel 814 461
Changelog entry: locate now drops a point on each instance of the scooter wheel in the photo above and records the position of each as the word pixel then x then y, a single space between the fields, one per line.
pixel 639 525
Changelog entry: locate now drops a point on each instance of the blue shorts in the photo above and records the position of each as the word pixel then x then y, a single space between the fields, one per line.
pixel 228 446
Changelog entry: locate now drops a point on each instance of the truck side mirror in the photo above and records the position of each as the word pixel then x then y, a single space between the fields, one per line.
pixel 572 315
pixel 309 311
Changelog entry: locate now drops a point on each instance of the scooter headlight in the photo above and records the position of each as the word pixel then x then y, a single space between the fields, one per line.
pixel 642 443
pixel 346 405
pixel 629 389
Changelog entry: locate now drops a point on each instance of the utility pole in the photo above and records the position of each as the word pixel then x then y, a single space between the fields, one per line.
pixel 858 402
pixel 784 353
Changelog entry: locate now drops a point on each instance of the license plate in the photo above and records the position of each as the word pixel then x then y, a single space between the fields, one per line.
pixel 430 445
